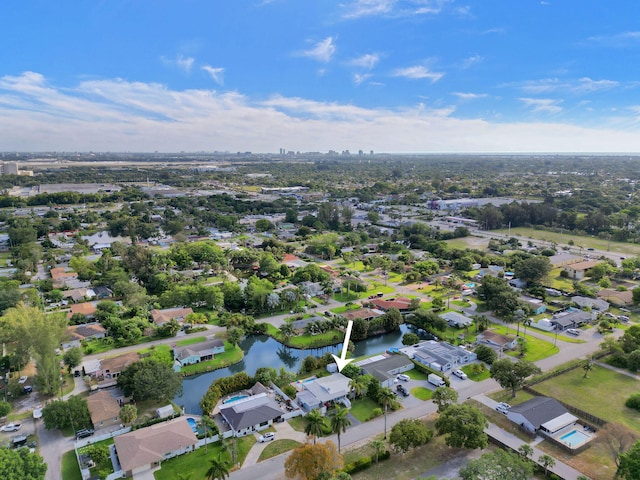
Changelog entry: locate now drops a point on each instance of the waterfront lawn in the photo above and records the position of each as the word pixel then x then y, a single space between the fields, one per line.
pixel 362 408
pixel 536 349
pixel 602 394
pixel 232 354
pixel 160 353
pixel 197 463
pixel 70 467
pixel 422 393
pixel 332 337
pixel 277 447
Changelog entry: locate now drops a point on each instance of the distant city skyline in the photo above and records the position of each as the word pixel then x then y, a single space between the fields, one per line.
pixel 396 76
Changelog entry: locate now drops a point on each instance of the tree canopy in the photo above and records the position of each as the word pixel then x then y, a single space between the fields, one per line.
pixel 308 462
pixel 512 375
pixel 464 426
pixel 150 379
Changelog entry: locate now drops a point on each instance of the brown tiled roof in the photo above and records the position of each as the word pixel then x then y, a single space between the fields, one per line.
pixel 164 316
pixel 400 303
pixel 360 313
pixel 148 445
pixel 80 332
pixel 102 407
pixel 117 364
pixel 86 308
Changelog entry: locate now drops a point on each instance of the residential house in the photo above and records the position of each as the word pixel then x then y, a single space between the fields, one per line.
pixel 321 392
pixel 517 284
pixel 293 262
pixel 442 356
pixel 614 297
pixel 140 450
pixel 572 319
pixel 61 278
pixel 88 309
pixel 160 317
pixel 536 305
pixel 593 303
pixel 300 325
pixel 577 271
pixel 102 292
pixel 197 352
pixel 455 319
pixel 74 334
pixel 386 368
pixel 401 303
pixel 104 409
pixel 564 258
pixel 497 340
pixel 79 294
pixel 251 414
pixel 541 414
pixel 362 313
pixel 110 368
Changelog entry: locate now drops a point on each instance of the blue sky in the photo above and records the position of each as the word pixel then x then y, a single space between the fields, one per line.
pixel 317 75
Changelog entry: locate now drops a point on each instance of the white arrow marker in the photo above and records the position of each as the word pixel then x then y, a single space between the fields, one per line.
pixel 342 361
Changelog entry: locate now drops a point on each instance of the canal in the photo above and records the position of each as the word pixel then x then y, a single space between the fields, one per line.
pixel 263 351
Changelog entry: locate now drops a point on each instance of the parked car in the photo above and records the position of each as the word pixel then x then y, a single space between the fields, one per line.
pixel 403 377
pixel 11 427
pixel 23 379
pixel 266 437
pixel 19 441
pixel 402 390
pixel 502 409
pixel 85 432
pixel 27 389
pixel 623 318
pixel 573 331
pixel 460 374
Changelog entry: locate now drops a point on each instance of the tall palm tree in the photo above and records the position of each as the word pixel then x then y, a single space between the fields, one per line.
pixel 315 422
pixel 218 470
pixel 287 330
pixel 206 423
pixel 356 386
pixel 526 323
pixel 385 395
pixel 339 422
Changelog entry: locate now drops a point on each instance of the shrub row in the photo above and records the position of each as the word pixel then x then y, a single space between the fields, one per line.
pixel 365 462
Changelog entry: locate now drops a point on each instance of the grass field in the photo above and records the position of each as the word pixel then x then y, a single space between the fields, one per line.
pixel 232 354
pixel 602 394
pixel 190 341
pixel 362 408
pixel 537 349
pixel 422 393
pixel 277 447
pixel 579 241
pixel 197 463
pixel 70 467
pixel 468 369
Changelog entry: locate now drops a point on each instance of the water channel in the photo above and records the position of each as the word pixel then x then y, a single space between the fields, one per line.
pixel 263 351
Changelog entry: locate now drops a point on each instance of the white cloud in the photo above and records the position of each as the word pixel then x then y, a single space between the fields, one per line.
pixel 622 39
pixel 182 62
pixel 117 115
pixel 365 8
pixel 470 96
pixel 418 72
pixel 215 73
pixel 579 86
pixel 323 51
pixel 396 8
pixel 542 105
pixel 367 61
pixel 471 61
pixel 359 78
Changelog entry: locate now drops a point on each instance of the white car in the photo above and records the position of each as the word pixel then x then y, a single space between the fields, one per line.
pixel 460 374
pixel 11 427
pixel 573 331
pixel 23 379
pixel 403 377
pixel 267 437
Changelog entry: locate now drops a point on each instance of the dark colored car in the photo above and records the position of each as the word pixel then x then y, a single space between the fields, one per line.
pixel 85 432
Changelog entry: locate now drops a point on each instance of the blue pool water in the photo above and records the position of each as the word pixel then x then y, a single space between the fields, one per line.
pixel 233 399
pixel 470 285
pixel 574 438
pixel 193 424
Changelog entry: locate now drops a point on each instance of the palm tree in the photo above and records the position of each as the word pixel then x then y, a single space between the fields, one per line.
pixel 518 316
pixel 356 387
pixel 339 422
pixel 206 422
pixel 287 330
pixel 218 470
pixel 587 366
pixel 378 447
pixel 527 323
pixel 315 422
pixel 385 395
pixel 547 462
pixel 525 450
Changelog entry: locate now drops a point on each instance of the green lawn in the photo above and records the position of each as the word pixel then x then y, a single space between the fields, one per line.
pixel 468 369
pixel 190 341
pixel 160 353
pixel 422 393
pixel 105 466
pixel 362 408
pixel 537 349
pixel 70 467
pixel 416 374
pixel 602 394
pixel 232 354
pixel 197 463
pixel 346 308
pixel 277 447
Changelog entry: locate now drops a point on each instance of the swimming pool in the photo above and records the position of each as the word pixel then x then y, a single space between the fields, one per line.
pixel 235 398
pixel 574 438
pixel 470 285
pixel 193 424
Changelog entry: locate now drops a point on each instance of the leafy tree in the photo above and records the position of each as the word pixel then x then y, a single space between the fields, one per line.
pixel 339 422
pixel 5 408
pixel 532 270
pixel 98 453
pixel 410 339
pixel 443 397
pixel 547 462
pixel 128 414
pixel 486 354
pixel 235 335
pixel 150 379
pixel 308 462
pixel 378 447
pixel 617 439
pixel 218 470
pixel 525 450
pixel 464 425
pixel 409 433
pixel 512 375
pixel 315 424
pixel 498 465
pixel 72 358
pixel 21 464
pixel 73 413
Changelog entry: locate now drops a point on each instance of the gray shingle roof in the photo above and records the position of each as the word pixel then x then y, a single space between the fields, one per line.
pixel 539 410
